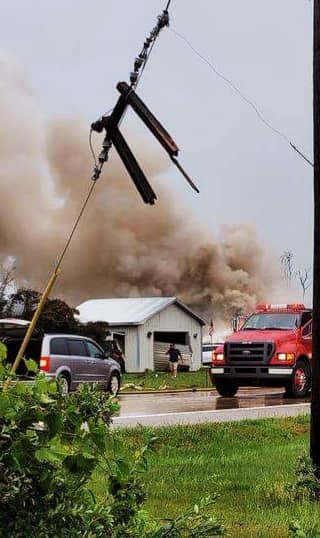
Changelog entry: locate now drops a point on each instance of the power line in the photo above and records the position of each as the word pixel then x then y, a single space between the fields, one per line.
pixel 83 207
pixel 91 148
pixel 93 153
pixel 242 96
pixel 301 154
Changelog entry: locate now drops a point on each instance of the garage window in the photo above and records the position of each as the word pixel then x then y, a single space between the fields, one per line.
pixel 172 337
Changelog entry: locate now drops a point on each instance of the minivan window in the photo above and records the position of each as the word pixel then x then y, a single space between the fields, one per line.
pixel 58 346
pixel 77 347
pixel 94 351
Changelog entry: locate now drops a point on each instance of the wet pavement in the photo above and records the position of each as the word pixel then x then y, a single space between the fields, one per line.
pixel 205 406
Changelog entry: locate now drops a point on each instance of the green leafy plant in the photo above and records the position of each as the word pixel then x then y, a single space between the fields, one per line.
pixel 307 485
pixel 52 446
pixel 296 531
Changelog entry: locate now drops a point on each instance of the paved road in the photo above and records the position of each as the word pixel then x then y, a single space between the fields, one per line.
pixel 205 406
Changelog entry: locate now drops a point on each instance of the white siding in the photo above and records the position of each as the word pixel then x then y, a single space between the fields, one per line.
pixel 171 319
pixel 131 347
pixel 139 347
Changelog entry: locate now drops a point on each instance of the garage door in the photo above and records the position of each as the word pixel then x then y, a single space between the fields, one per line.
pixel 161 359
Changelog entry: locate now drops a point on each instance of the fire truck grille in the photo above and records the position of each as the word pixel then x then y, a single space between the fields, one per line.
pixel 248 352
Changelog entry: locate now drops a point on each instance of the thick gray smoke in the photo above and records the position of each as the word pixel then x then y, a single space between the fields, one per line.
pixel 122 248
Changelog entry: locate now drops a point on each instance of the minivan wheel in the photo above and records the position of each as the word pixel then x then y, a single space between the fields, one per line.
pixel 64 383
pixel 300 381
pixel 114 384
pixel 226 387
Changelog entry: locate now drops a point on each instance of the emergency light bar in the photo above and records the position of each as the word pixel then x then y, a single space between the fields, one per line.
pixel 266 307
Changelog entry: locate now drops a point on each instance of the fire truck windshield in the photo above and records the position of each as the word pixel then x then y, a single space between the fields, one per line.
pixel 271 321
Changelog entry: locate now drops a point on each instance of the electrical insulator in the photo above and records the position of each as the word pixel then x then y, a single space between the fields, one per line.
pixel 133 77
pixel 138 63
pixel 98 125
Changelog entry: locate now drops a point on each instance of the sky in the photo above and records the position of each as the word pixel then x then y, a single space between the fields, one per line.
pixel 73 53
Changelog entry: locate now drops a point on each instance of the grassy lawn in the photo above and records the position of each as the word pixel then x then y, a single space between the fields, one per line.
pixel 164 381
pixel 250 464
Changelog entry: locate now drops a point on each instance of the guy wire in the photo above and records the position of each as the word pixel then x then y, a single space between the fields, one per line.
pixel 84 205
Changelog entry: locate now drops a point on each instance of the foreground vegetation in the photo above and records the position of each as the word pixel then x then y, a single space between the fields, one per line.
pixel 164 381
pixel 65 474
pixel 52 446
pixel 252 465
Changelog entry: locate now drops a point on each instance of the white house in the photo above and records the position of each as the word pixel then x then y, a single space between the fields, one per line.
pixel 144 328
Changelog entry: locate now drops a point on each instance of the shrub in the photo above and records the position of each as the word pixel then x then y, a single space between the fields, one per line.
pixel 296 531
pixel 50 448
pixel 307 485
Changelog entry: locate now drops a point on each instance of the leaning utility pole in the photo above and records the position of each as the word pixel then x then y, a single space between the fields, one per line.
pixel 315 395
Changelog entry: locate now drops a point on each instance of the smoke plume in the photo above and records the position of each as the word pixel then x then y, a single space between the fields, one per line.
pixel 122 247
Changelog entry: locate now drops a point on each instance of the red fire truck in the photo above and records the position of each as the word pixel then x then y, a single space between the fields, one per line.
pixel 273 347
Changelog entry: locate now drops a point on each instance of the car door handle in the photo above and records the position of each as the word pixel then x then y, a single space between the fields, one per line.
pixel 90 362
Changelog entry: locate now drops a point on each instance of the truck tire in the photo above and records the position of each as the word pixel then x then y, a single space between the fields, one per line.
pixel 300 381
pixel 226 387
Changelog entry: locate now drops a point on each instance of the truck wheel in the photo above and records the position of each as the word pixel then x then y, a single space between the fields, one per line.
pixel 300 381
pixel 226 387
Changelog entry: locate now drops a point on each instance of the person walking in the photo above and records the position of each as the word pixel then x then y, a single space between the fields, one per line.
pixel 174 356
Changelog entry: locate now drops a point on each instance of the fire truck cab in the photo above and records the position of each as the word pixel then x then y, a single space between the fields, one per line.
pixel 273 347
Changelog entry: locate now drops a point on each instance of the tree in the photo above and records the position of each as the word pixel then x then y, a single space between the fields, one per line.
pixel 22 303
pixel 7 283
pixel 304 277
pixel 57 315
pixel 287 263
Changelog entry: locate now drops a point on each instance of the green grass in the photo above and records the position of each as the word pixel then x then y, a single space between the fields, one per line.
pixel 164 381
pixel 250 464
pixel 3 351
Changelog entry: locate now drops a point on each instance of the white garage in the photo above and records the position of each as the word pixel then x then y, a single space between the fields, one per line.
pixel 144 328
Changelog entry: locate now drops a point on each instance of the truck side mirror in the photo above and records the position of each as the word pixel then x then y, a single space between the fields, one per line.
pixel 307 330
